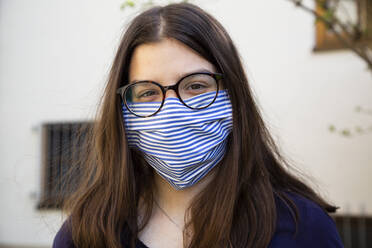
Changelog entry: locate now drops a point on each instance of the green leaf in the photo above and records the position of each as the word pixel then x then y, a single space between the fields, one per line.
pixel 127 3
pixel 346 132
pixel 317 19
pixel 130 3
pixel 359 129
pixel 329 15
pixel 332 128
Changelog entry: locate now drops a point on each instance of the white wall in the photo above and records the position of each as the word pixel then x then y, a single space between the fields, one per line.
pixel 55 56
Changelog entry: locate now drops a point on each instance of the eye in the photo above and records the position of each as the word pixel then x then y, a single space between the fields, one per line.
pixel 195 86
pixel 147 93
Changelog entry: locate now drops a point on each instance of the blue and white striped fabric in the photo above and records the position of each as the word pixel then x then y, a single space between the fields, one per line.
pixel 180 143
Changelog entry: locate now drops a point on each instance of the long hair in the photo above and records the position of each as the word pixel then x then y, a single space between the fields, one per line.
pixel 238 206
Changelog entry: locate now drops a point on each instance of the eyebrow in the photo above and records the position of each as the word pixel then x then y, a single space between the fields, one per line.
pixel 179 76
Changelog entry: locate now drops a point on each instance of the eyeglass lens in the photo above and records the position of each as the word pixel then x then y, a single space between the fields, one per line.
pixel 196 91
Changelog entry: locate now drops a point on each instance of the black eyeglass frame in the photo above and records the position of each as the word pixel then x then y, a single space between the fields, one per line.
pixel 123 90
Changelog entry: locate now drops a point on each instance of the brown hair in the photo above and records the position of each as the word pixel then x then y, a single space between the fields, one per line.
pixel 250 175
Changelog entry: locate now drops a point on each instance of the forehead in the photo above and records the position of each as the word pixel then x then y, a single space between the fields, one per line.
pixel 165 61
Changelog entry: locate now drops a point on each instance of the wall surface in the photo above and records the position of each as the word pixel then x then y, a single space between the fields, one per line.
pixel 55 57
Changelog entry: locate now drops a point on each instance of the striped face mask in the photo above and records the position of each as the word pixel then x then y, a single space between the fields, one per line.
pixel 180 143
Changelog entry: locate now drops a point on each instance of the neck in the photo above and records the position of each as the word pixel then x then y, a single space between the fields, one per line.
pixel 175 202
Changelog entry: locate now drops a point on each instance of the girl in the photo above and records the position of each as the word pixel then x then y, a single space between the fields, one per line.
pixel 180 156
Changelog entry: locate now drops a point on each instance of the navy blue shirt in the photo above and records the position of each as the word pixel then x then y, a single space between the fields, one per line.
pixel 315 228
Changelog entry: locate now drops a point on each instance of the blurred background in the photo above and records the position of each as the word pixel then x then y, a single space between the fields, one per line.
pixel 314 93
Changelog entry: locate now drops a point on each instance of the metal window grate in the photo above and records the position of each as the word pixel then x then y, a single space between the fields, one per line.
pixel 355 231
pixel 62 149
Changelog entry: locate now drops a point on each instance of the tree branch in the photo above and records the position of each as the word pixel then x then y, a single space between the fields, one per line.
pixel 361 50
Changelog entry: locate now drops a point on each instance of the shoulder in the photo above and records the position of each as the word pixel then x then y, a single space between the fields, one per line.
pixel 63 238
pixel 315 228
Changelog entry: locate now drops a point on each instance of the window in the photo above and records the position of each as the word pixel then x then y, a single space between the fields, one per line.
pixel 355 231
pixel 63 145
pixel 358 13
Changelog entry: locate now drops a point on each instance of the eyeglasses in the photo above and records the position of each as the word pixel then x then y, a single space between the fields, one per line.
pixel 187 88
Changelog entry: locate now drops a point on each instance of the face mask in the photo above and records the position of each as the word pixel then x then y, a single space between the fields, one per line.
pixel 182 144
